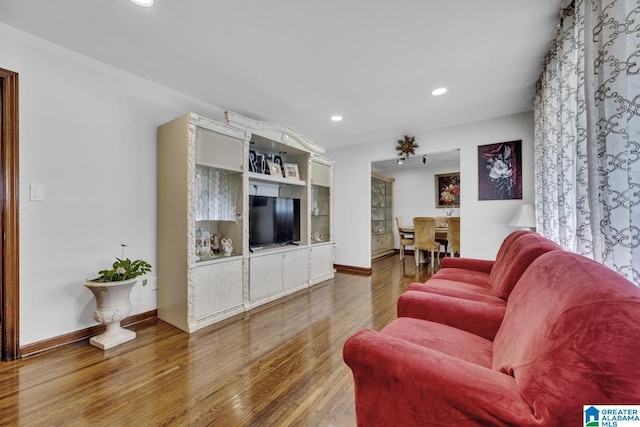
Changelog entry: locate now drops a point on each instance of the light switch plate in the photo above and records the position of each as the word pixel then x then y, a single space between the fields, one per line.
pixel 36 192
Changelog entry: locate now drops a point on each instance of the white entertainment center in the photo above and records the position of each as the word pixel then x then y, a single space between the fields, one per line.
pixel 207 171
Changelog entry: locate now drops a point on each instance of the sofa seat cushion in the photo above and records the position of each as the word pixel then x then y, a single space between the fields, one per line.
pixel 478 317
pixel 472 277
pixel 454 288
pixel 442 338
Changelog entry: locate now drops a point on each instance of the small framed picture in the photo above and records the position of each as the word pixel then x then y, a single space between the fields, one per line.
pixel 274 168
pixel 291 171
pixel 448 190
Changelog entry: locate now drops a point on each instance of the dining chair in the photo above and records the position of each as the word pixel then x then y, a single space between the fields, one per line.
pixel 454 234
pixel 406 239
pixel 442 238
pixel 424 237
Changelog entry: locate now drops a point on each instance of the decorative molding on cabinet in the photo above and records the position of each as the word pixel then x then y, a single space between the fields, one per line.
pixel 274 131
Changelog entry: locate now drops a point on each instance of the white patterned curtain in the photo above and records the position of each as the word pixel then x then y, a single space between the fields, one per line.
pixel 216 194
pixel 587 135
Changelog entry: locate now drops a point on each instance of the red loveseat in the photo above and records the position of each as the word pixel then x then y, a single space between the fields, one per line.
pixel 472 294
pixel 570 337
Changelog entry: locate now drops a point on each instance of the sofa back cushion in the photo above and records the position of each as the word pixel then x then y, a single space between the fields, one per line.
pixel 571 334
pixel 513 258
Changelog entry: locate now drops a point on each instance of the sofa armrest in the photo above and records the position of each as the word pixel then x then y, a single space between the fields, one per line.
pixel 401 383
pixel 482 265
pixel 479 318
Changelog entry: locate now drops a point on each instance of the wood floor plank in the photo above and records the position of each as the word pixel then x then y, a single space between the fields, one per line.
pixel 277 366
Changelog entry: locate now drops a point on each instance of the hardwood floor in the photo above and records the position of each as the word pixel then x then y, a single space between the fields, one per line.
pixel 279 366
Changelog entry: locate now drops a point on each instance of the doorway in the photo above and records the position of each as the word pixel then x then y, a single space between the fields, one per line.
pixel 9 198
pixel 415 191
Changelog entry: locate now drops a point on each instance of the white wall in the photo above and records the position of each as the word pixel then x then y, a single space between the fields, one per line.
pixel 414 192
pixel 483 223
pixel 88 134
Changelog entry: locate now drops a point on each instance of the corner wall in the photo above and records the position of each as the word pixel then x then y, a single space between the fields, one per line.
pixel 483 223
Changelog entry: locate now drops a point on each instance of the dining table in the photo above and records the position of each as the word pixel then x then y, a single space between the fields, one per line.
pixel 442 231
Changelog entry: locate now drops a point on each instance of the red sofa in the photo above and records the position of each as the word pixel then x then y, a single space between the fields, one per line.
pixel 570 337
pixel 472 294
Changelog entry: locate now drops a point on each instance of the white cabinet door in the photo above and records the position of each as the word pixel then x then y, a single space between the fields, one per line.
pixel 265 275
pixel 321 174
pixel 218 150
pixel 321 263
pixel 217 287
pixel 295 269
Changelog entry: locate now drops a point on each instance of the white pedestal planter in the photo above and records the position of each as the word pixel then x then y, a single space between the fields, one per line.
pixel 112 299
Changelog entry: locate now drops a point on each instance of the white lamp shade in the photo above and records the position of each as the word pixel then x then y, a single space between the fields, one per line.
pixel 524 217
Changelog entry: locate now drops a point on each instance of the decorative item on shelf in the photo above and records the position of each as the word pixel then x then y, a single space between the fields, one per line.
pixel 199 245
pixel 203 243
pixel 314 208
pixel 215 243
pixel 291 171
pixel 274 168
pixel 407 146
pixel 268 164
pixel 111 290
pixel 253 161
pixel 316 237
pixel 227 246
pixel 261 163
pixel 278 161
pixel 206 243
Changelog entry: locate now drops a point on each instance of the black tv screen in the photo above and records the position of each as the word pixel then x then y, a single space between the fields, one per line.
pixel 273 220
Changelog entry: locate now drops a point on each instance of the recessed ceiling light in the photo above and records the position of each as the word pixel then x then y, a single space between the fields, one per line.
pixel 336 118
pixel 143 3
pixel 439 91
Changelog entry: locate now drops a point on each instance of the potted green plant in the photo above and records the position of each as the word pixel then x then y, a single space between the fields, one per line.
pixel 111 290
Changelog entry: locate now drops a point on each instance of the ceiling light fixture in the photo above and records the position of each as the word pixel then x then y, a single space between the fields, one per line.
pixel 336 118
pixel 439 91
pixel 143 3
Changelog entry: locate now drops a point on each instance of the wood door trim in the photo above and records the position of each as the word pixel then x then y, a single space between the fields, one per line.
pixel 10 217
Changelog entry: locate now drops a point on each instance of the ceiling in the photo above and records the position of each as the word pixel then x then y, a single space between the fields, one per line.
pixel 451 157
pixel 300 62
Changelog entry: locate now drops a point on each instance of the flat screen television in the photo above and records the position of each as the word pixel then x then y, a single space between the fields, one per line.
pixel 273 220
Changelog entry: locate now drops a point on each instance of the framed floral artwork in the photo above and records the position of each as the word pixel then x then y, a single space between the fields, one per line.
pixel 448 190
pixel 500 171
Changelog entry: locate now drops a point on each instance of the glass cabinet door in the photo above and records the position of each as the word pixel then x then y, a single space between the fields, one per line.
pixel 321 175
pixel 218 195
pixel 381 206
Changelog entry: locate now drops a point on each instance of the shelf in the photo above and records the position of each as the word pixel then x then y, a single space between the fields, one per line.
pixel 216 258
pixel 254 176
